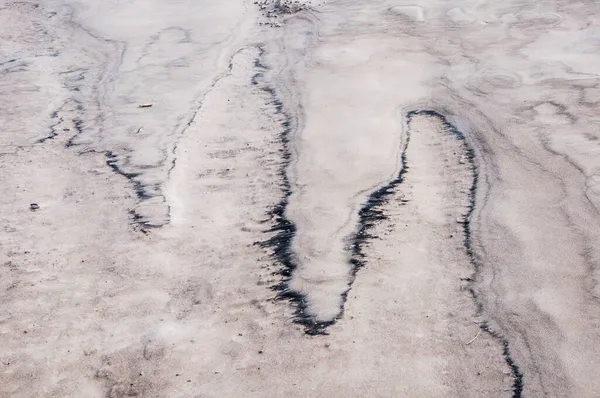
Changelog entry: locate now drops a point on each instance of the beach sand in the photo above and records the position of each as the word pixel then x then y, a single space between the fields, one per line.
pixel 302 199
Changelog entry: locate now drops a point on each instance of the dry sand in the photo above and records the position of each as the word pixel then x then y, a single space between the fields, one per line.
pixel 306 199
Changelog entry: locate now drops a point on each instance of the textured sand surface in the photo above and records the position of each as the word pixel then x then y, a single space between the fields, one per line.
pixel 336 198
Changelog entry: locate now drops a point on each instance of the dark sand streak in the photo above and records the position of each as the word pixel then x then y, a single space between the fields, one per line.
pixel 285 230
pixel 517 388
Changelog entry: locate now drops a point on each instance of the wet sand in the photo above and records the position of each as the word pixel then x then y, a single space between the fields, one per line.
pixel 304 199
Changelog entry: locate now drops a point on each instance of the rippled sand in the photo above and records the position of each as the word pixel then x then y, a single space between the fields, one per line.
pixel 334 198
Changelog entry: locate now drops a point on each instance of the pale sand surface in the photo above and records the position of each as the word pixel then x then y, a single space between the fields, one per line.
pixel 419 181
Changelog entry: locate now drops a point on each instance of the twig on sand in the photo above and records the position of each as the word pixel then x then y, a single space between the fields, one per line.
pixel 473 339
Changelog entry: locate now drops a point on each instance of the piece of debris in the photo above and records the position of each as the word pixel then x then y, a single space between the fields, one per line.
pixel 474 338
pixel 34 207
pixel 145 105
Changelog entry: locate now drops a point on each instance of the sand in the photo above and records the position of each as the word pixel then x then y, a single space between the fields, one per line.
pixel 334 198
